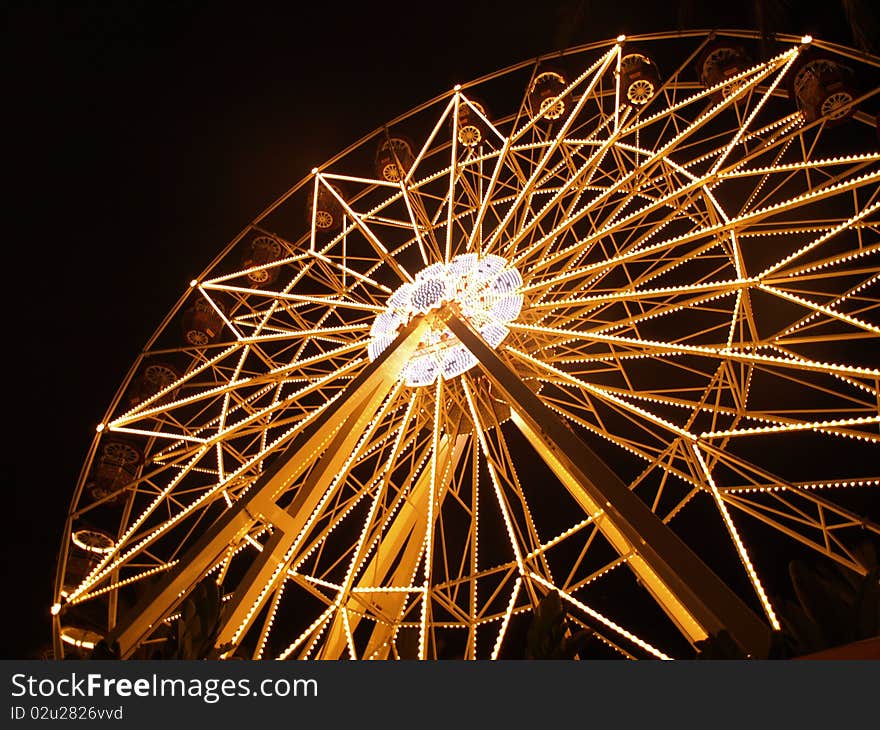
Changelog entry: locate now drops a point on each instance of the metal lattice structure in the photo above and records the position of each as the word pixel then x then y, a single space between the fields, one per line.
pixel 420 390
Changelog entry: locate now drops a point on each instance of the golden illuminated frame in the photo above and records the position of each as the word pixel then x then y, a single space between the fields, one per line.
pixel 698 283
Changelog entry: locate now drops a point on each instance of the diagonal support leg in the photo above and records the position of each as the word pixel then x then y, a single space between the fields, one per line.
pixel 351 412
pixel 293 525
pixel 694 598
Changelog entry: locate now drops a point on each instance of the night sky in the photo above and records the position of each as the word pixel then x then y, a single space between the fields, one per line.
pixel 145 134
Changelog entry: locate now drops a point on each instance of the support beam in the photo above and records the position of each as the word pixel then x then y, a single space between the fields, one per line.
pixel 400 546
pixel 694 598
pixel 350 412
pixel 294 524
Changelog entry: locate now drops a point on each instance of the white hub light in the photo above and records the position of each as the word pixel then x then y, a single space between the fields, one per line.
pixel 487 293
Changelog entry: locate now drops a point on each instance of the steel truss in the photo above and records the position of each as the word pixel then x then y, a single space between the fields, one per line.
pixel 691 349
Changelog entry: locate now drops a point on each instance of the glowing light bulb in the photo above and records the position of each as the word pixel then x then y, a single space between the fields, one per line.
pixel 428 294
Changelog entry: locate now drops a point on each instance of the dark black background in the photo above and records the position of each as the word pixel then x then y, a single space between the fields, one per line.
pixel 504 695
pixel 141 136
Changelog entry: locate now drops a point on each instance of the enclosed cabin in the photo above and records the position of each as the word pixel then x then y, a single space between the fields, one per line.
pixel 547 85
pixel 81 624
pixel 115 469
pixel 262 251
pixel 722 59
pixel 202 323
pixel 639 79
pixel 823 87
pixel 472 129
pixel 395 156
pixel 153 378
pixel 87 548
pixel 325 209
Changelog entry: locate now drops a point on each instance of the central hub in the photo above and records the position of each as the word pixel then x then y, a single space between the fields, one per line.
pixel 486 291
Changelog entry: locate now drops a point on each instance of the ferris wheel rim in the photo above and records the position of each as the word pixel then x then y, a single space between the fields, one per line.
pixel 318 171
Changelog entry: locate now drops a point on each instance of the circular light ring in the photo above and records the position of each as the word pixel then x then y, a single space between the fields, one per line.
pixel 119 452
pixel 640 91
pixel 836 106
pixel 487 293
pixel 323 219
pixel 160 375
pixel 93 541
pixel 470 135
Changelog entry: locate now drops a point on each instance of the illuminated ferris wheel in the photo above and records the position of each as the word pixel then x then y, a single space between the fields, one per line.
pixel 604 324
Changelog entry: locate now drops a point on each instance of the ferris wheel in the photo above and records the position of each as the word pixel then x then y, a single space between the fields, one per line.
pixel 604 324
